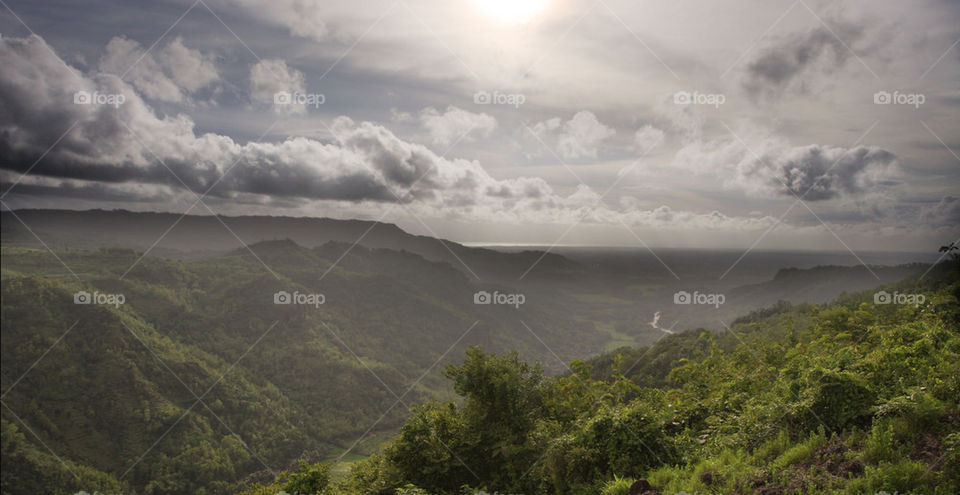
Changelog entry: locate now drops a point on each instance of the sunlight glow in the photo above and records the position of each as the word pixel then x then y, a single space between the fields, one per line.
pixel 511 11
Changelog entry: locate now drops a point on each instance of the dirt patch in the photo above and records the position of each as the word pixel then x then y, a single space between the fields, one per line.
pixel 710 477
pixel 770 490
pixel 642 487
pixel 832 459
pixel 928 449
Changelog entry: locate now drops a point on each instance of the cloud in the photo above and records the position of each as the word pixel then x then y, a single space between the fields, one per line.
pixel 269 78
pixel 131 152
pixel 454 124
pixel 576 138
pixel 794 63
pixel 647 138
pixel 131 144
pixel 169 73
pixel 90 191
pixel 581 135
pixel 946 213
pixel 128 152
pixel 400 116
pixel 769 167
pixel 302 17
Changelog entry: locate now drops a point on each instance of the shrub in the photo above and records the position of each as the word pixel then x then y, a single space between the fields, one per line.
pixel 617 486
pixel 842 399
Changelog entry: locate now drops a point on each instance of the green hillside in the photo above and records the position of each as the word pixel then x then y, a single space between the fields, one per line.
pixel 851 397
pixel 277 382
pixel 200 383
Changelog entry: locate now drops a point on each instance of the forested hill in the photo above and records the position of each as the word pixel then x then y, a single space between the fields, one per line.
pixel 278 381
pixel 852 396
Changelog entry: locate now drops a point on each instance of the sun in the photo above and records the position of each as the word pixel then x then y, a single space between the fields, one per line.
pixel 511 11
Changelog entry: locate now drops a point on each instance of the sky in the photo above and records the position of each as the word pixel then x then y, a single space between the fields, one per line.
pixel 721 124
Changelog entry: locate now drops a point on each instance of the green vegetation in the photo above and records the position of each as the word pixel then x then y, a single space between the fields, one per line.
pixel 618 339
pixel 115 397
pixel 849 397
pixel 861 398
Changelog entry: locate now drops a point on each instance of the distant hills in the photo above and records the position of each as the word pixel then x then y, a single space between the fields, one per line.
pixel 174 235
pixel 282 381
pixel 603 291
pixel 824 283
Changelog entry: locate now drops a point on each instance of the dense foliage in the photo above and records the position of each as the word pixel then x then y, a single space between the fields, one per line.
pixel 105 398
pixel 863 398
pixel 850 397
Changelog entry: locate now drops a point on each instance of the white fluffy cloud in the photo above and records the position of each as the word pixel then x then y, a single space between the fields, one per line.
pixel 647 138
pixel 268 78
pixel 581 135
pixel 366 163
pixel 455 123
pixel 578 137
pixel 169 73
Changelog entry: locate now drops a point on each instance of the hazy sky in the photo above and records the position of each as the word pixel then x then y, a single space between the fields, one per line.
pixel 743 123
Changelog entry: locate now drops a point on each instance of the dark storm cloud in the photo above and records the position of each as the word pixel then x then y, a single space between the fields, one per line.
pixel 770 167
pixel 946 213
pixel 91 192
pixel 130 143
pixel 790 63
pixel 818 173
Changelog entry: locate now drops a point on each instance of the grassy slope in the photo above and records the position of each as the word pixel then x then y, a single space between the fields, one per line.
pixel 850 397
pixel 112 385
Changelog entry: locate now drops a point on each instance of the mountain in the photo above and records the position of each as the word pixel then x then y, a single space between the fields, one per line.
pixel 210 370
pixel 822 284
pixel 174 235
pixel 859 397
pixel 284 380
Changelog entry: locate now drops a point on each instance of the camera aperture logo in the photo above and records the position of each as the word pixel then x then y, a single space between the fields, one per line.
pixel 884 297
pixel 484 297
pixel 84 297
pixel 296 98
pixel 498 98
pixel 698 98
pixel 898 98
pixel 97 98
pixel 303 299
pixel 684 297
